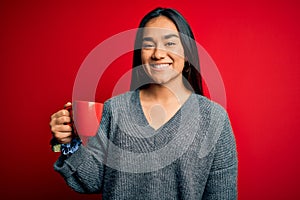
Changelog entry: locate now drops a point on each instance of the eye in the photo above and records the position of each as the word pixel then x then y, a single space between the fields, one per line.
pixel 168 44
pixel 148 46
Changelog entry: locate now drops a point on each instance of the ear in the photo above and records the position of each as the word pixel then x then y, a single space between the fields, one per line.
pixel 187 66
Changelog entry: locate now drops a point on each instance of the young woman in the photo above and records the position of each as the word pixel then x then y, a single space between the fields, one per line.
pixel 163 139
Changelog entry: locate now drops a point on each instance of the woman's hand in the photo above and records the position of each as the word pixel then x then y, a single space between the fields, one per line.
pixel 60 127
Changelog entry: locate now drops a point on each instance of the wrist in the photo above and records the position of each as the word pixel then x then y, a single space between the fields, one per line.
pixel 72 147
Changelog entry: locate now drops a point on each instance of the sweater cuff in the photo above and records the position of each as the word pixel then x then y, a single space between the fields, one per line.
pixel 67 165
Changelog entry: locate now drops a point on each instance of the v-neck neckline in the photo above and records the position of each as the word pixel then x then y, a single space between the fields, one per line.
pixel 173 117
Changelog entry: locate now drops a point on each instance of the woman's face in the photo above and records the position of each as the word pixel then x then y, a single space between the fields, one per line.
pixel 162 52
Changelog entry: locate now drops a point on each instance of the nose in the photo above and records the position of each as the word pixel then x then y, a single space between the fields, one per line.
pixel 158 54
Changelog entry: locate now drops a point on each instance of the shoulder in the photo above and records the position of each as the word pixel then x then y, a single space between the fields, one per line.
pixel 216 129
pixel 209 107
pixel 121 100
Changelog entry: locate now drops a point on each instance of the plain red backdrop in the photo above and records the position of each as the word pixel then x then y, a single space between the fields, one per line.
pixel 255 45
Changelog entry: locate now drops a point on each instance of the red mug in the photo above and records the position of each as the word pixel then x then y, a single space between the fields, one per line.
pixel 86 117
pixel 85 120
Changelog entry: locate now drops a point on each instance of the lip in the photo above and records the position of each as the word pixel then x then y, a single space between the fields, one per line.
pixel 160 66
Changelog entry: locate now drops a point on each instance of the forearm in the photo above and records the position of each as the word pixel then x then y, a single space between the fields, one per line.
pixel 81 171
pixel 222 184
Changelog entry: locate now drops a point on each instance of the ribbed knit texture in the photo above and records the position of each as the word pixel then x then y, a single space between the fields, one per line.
pixel 192 156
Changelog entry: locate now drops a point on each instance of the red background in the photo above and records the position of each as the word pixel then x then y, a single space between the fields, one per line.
pixel 255 45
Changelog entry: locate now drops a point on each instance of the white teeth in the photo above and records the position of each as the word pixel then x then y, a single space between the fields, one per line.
pixel 160 66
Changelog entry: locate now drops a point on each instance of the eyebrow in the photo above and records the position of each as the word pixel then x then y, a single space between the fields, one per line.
pixel 170 36
pixel 150 39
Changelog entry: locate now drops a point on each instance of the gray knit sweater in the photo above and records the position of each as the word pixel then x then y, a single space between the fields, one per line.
pixel 192 156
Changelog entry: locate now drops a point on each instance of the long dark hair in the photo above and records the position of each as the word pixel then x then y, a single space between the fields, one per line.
pixel 191 71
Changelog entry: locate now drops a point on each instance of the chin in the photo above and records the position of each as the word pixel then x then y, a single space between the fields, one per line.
pixel 160 81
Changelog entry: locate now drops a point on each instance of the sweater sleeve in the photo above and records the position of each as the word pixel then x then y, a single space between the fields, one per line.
pixel 83 170
pixel 222 180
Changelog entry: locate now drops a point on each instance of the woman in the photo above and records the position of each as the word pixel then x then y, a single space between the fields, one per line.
pixel 163 139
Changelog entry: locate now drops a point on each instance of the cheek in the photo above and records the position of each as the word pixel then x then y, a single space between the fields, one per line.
pixel 145 55
pixel 179 58
pixel 177 53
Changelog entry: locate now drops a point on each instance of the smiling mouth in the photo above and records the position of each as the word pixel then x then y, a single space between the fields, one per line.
pixel 160 66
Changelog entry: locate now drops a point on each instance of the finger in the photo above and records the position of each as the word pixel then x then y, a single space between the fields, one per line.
pixel 60 113
pixel 64 140
pixel 61 128
pixel 61 135
pixel 59 121
pixel 67 104
pixel 62 120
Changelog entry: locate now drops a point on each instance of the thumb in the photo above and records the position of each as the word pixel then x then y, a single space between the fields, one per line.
pixel 67 104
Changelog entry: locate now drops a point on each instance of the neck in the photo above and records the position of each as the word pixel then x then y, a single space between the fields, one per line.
pixel 166 93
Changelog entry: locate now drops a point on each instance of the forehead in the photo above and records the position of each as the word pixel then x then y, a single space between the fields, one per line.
pixel 160 26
